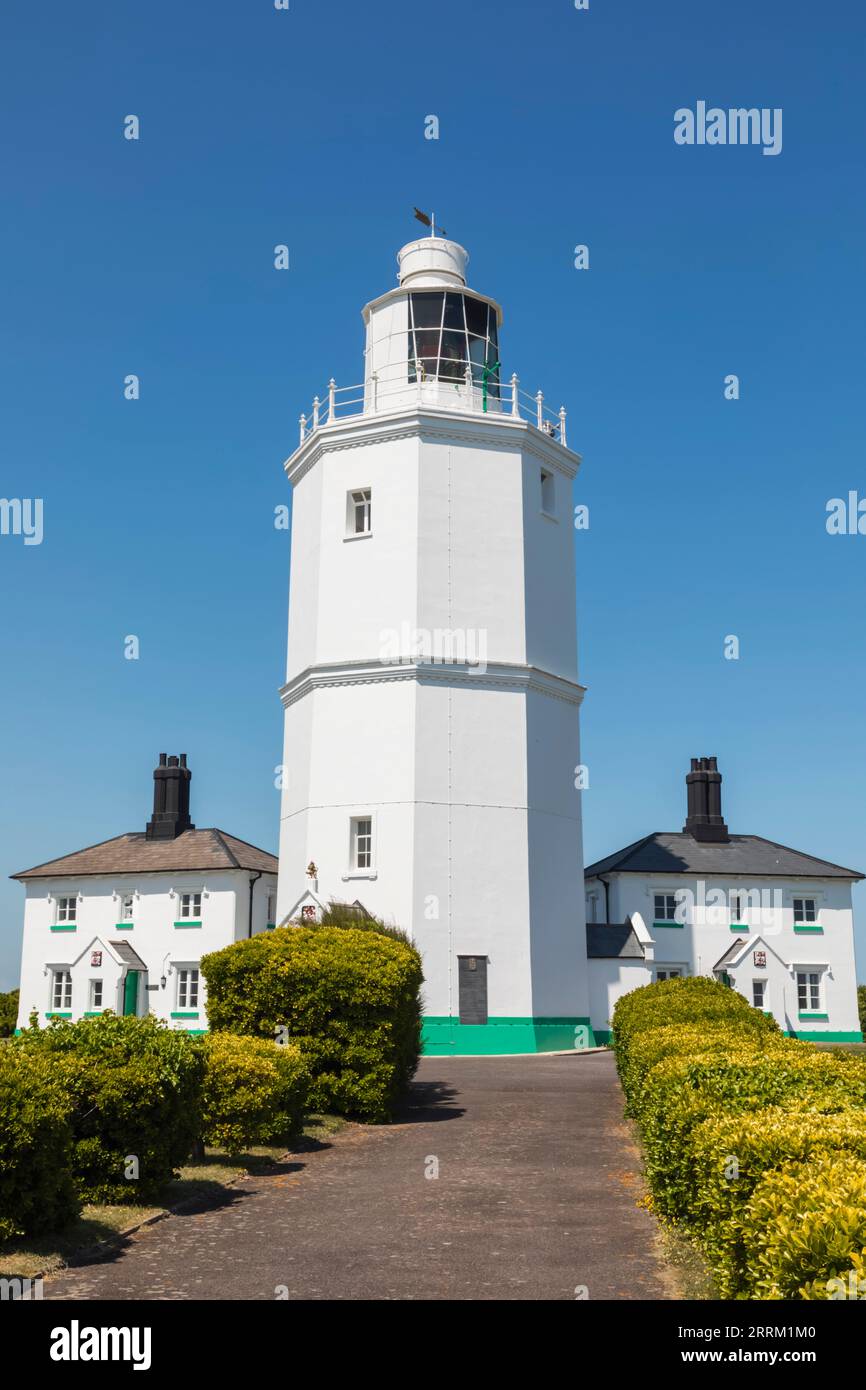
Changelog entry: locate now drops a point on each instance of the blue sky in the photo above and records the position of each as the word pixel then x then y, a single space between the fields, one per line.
pixel 306 127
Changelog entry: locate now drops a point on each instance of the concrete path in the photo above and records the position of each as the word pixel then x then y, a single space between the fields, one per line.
pixel 535 1196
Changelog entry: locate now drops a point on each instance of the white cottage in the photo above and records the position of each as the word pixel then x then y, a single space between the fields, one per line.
pixel 124 924
pixel 773 923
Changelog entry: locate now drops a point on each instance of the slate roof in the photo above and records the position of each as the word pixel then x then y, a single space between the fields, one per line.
pixel 749 855
pixel 128 955
pixel 728 955
pixel 612 941
pixel 198 850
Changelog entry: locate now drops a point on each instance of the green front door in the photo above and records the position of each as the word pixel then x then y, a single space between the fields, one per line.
pixel 130 992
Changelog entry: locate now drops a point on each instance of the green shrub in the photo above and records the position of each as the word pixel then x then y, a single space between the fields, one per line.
pixel 8 1013
pixel 134 1091
pixel 861 1005
pixel 694 1000
pixel 681 1092
pixel 254 1091
pixel 805 1226
pixel 36 1188
pixel 348 998
pixel 732 1154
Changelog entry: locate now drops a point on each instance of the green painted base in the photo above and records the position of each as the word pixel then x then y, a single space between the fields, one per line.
pixel 810 1035
pixel 448 1037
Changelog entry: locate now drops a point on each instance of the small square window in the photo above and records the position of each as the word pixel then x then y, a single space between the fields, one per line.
pixel 190 906
pixel 665 909
pixel 67 909
pixel 805 910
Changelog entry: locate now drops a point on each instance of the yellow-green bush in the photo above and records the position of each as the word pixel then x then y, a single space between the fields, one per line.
pixel 255 1091
pixel 732 1154
pixel 349 998
pixel 726 1107
pixel 804 1227
pixel 37 1192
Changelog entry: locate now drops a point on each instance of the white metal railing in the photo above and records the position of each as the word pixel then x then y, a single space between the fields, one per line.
pixel 472 388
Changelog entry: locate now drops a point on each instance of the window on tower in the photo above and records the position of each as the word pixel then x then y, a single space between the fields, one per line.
pixel 449 331
pixel 359 512
pixel 362 842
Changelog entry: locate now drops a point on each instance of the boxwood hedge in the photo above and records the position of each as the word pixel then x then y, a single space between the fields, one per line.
pixel 255 1091
pixel 733 1117
pixel 348 998
pixel 36 1189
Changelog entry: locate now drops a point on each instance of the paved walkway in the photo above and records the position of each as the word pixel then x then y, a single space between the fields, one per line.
pixel 536 1195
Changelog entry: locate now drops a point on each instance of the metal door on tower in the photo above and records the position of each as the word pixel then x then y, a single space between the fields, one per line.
pixel 472 988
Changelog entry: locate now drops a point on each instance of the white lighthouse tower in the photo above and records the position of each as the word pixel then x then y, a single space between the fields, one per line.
pixel 431 697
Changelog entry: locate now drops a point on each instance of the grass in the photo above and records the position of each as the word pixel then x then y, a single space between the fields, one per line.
pixel 203 1182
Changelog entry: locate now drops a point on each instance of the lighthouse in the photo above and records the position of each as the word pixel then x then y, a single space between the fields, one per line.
pixel 432 701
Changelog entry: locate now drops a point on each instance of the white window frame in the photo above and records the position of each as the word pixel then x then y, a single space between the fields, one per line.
pixel 805 899
pixel 190 916
pixel 355 870
pixel 763 982
pixel 666 894
pixel 807 970
pixel 66 908
pixel 271 907
pixel 96 987
pixel 740 898
pixel 359 506
pixel 61 983
pixel 127 915
pixel 186 987
pixel 668 969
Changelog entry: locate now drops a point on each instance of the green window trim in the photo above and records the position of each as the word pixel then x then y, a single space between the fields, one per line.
pixel 57 1013
pixel 270 925
pixel 94 1013
pixel 178 1013
pixel 823 1017
pixel 185 923
pixel 739 926
pixel 669 924
pixel 801 927
pixel 64 926
pixel 124 926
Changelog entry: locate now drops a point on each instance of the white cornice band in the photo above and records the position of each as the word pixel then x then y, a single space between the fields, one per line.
pixel 496 675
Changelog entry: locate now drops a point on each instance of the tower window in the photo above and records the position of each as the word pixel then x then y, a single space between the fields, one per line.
pixel 449 331
pixel 548 493
pixel 362 842
pixel 359 520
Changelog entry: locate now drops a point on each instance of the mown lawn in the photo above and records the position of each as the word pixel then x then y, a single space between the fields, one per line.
pixel 202 1182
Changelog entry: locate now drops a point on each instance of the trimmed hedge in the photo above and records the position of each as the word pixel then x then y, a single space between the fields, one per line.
pixel 133 1088
pixel 254 1091
pixel 348 998
pixel 36 1189
pixel 730 1111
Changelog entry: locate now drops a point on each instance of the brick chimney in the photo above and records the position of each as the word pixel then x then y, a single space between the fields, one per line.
pixel 704 813
pixel 170 799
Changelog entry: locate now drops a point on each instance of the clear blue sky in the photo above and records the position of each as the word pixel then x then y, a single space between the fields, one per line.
pixel 260 127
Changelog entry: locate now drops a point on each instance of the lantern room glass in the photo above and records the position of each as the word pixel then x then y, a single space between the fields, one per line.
pixel 447 330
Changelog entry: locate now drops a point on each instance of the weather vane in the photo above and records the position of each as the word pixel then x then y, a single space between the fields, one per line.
pixel 429 222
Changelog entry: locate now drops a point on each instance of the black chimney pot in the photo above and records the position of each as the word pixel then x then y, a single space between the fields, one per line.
pixel 704 816
pixel 170 799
